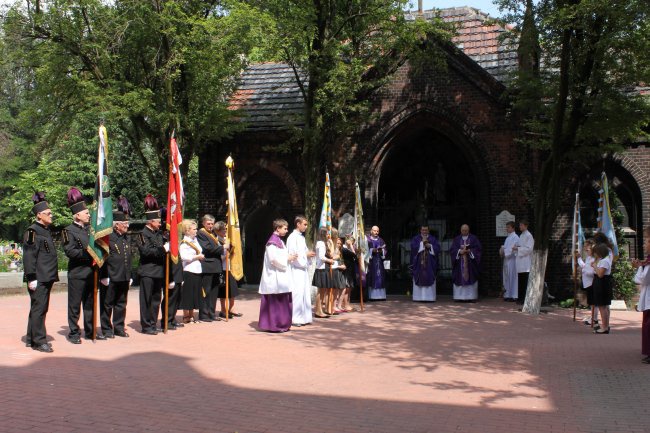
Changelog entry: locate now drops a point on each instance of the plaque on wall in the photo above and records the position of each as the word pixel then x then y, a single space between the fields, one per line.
pixel 501 221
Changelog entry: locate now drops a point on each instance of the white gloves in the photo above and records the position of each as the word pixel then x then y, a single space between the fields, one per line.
pixel 166 246
pixel 105 281
pixel 172 284
pixel 32 285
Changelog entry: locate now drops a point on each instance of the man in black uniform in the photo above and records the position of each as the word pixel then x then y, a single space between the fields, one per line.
pixel 175 283
pixel 41 271
pixel 211 267
pixel 117 270
pixel 80 269
pixel 153 250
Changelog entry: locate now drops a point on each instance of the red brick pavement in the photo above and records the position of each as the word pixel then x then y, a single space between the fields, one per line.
pixel 398 367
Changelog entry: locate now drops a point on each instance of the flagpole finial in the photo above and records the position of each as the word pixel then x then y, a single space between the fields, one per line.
pixel 230 163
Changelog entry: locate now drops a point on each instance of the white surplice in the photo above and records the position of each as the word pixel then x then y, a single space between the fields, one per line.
pixel 275 275
pixel 510 267
pixel 424 293
pixel 299 279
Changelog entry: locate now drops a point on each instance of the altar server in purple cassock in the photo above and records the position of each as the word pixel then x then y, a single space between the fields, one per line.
pixel 376 275
pixel 276 306
pixel 465 253
pixel 425 251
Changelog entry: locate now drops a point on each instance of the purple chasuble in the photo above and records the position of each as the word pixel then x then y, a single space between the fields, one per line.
pixel 465 268
pixel 424 265
pixel 376 274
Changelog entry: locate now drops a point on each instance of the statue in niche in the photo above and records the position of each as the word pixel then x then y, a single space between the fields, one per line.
pixel 440 184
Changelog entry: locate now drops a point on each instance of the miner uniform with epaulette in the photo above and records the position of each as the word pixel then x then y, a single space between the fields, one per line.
pixel 41 271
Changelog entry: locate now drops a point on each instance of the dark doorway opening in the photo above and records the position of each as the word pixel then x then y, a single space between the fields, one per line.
pixel 426 178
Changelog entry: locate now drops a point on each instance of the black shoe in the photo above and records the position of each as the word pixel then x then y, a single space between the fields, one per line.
pixel 121 334
pixel 178 325
pixel 600 331
pixel 109 335
pixel 28 344
pixel 74 339
pixel 236 314
pixel 207 319
pixel 97 337
pixel 171 327
pixel 150 332
pixel 45 348
pixel 646 360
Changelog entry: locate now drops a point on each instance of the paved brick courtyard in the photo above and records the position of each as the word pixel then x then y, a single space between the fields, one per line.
pixel 398 367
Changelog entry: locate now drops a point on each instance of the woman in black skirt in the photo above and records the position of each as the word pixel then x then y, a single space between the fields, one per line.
pixel 602 286
pixel 322 278
pixel 191 255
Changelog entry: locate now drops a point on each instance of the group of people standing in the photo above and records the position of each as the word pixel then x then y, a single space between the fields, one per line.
pixel 516 253
pixel 285 286
pixel 194 282
pixel 465 253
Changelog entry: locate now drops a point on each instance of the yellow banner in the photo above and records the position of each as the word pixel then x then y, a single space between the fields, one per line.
pixel 236 256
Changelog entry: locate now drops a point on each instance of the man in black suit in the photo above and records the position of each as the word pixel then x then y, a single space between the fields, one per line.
pixel 80 269
pixel 211 267
pixel 117 274
pixel 153 253
pixel 41 271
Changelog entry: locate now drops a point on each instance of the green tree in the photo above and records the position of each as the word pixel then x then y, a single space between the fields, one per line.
pixel 148 67
pixel 581 103
pixel 341 52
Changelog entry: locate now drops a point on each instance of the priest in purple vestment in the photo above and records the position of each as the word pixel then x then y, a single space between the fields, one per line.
pixel 465 253
pixel 376 274
pixel 425 251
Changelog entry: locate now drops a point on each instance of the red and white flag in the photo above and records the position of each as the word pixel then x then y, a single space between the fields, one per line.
pixel 175 198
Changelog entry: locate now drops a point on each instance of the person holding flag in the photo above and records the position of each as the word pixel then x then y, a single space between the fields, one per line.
pixel 80 269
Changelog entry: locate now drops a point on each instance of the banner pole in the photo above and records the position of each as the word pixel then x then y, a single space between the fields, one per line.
pixel 166 316
pixel 95 277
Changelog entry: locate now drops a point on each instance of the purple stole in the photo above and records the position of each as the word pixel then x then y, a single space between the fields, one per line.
pixel 424 265
pixel 465 269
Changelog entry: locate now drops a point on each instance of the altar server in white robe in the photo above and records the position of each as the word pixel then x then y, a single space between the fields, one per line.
pixel 523 250
pixel 299 273
pixel 509 263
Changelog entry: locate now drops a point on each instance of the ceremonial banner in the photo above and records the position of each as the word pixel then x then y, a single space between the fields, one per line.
pixel 605 224
pixel 359 232
pixel 175 198
pixel 236 260
pixel 578 235
pixel 326 212
pixel 101 211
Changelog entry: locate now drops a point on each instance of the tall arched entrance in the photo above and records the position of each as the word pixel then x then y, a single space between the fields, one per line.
pixel 630 205
pixel 427 172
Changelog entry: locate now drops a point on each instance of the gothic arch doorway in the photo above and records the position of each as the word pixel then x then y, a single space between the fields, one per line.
pixel 630 207
pixel 428 174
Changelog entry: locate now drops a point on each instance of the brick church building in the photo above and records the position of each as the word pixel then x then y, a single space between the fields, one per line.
pixel 442 148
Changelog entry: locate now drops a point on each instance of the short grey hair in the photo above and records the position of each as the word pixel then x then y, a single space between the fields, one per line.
pixel 207 217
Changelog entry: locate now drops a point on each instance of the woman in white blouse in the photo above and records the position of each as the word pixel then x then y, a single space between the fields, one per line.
pixel 642 278
pixel 191 256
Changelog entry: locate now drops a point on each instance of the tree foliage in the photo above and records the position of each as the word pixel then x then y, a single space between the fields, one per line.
pixel 342 51
pixel 148 67
pixel 582 103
